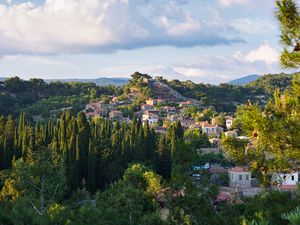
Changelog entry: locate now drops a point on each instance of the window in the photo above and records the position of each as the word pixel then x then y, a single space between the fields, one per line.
pixel 293 178
pixel 241 177
pixel 247 177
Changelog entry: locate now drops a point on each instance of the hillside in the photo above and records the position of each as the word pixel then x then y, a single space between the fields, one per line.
pixel 223 97
pixel 244 80
pixel 270 82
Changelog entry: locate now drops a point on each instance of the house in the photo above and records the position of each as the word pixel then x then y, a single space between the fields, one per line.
pixel 239 177
pixel 173 118
pixel 196 125
pixel 286 181
pixel 214 121
pixel 153 111
pixel 231 133
pixel 228 122
pixel 185 104
pixel 151 101
pixel 115 114
pixel 114 100
pixel 170 110
pixel 217 174
pixel 208 128
pixel 146 107
pixel 93 105
pixel 187 122
pixel 91 114
pixel 95 108
pixel 150 117
pixel 102 112
pixel 222 197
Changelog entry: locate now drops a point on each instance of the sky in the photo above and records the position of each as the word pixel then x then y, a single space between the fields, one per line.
pixel 209 41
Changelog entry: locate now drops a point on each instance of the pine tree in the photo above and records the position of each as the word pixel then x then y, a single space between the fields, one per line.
pixel 289 18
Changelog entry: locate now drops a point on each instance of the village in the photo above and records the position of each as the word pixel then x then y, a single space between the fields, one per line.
pixel 234 181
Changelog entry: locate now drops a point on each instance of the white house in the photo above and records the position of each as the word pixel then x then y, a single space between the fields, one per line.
pixel 228 122
pixel 151 117
pixel 208 128
pixel 239 177
pixel 287 178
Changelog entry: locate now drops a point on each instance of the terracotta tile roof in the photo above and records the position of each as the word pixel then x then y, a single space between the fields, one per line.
pixel 239 169
pixel 287 187
pixel 222 196
pixel 217 169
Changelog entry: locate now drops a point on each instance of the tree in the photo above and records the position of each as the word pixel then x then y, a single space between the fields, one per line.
pixel 289 19
pixel 235 149
pixel 34 187
pixel 293 217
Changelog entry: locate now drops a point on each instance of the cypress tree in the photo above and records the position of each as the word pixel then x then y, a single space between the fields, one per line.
pixel 91 169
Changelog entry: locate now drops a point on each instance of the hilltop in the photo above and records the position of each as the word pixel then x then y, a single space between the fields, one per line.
pixel 244 80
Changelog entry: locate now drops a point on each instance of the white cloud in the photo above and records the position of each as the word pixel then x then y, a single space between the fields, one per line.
pixel 227 3
pixel 253 26
pixel 36 60
pixel 264 53
pixel 77 26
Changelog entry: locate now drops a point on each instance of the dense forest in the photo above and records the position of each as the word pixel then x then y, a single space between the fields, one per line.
pixel 35 96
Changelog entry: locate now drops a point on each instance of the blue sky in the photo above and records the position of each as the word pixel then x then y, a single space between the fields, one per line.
pixel 210 41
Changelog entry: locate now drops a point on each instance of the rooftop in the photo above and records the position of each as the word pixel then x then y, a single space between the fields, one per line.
pixel 239 169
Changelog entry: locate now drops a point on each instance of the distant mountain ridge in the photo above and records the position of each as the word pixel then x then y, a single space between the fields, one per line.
pixel 101 81
pixel 244 80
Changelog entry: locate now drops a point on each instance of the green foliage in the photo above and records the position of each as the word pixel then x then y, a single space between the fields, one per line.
pixel 288 16
pixel 222 98
pixel 212 158
pixel 34 188
pixel 293 217
pixel 235 149
pixel 273 131
pixel 196 139
pixel 140 177
pixel 271 82
pixel 37 97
